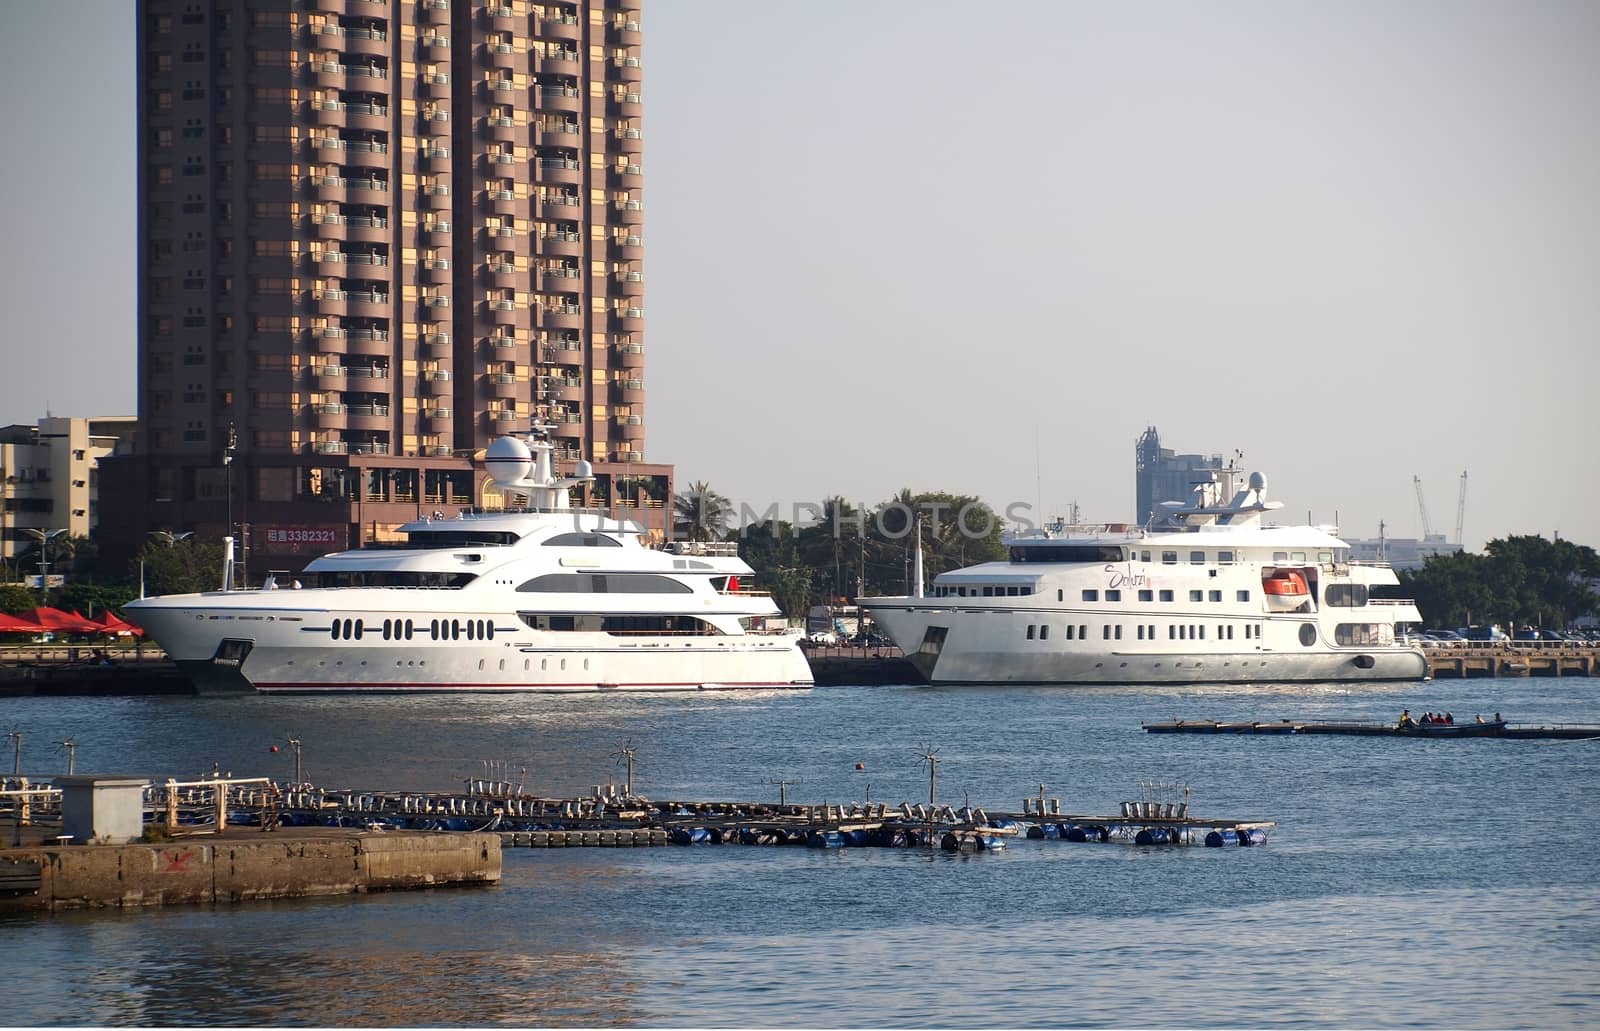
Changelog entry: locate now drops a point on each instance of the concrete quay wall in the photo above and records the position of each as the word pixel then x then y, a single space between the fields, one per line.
pixel 279 865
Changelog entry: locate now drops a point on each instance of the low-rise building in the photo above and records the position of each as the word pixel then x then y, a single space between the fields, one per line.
pixel 49 478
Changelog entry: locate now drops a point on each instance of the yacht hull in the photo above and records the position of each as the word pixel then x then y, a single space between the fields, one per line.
pixel 272 650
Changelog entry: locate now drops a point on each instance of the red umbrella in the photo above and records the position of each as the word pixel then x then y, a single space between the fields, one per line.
pixel 115 624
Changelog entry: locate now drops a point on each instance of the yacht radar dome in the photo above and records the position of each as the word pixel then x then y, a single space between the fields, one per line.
pixel 508 462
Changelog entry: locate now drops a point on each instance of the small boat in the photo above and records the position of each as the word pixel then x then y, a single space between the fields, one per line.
pixel 1490 728
pixel 1285 591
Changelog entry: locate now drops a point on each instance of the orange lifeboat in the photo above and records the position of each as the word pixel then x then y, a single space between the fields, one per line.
pixel 1285 591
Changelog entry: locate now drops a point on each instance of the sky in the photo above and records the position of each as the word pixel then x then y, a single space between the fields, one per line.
pixel 980 248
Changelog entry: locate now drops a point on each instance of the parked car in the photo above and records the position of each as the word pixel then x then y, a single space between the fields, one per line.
pixel 1483 633
pixel 823 637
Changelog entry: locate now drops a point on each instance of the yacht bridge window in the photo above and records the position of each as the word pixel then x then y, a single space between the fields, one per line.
pixel 393 578
pixel 1065 553
pixel 605 583
pixel 584 540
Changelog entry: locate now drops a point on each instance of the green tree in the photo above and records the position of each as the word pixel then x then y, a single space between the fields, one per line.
pixel 185 567
pixel 15 599
pixel 700 514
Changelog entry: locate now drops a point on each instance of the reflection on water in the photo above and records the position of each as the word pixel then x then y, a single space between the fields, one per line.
pixel 1409 882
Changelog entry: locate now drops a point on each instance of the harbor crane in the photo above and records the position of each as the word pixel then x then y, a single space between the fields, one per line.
pixel 1422 507
pixel 1461 507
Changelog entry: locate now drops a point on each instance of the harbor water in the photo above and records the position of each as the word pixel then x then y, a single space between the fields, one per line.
pixel 1407 883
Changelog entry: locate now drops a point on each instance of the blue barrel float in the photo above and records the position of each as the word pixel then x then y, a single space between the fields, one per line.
pixel 690 836
pixel 1087 832
pixel 1156 836
pixel 1219 838
pixel 1045 831
pixel 825 839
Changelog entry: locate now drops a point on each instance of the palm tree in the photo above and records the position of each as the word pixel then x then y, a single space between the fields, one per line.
pixel 700 514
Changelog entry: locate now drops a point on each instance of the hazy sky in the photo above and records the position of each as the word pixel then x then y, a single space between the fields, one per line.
pixel 896 244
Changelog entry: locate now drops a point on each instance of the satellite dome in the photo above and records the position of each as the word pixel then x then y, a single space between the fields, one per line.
pixel 508 461
pixel 1258 481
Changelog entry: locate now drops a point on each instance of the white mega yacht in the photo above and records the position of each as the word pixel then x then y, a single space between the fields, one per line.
pixel 541 598
pixel 1220 598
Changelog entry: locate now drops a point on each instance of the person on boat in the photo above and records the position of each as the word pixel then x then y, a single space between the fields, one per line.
pixel 1497 718
pixel 1478 716
pixel 1405 719
pixel 1449 719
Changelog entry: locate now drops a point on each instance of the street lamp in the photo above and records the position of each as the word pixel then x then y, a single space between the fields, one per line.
pixel 44 537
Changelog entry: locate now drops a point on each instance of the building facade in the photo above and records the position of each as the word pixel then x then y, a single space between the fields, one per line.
pixel 1160 474
pixel 374 236
pixel 50 479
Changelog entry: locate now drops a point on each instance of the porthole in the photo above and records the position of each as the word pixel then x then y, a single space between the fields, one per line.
pixel 563 664
pixel 1308 634
pixel 361 628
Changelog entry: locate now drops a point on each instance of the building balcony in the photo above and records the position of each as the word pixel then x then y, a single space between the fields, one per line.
pixel 328 228
pixel 326 6
pixel 629 356
pixel 502 385
pixel 505 56
pixel 624 103
pixel 504 130
pixel 329 187
pixel 326 302
pixel 436 381
pixel 435 270
pixel 627 69
pixel 329 340
pixel 436 196
pixel 502 273
pixel 562 388
pixel 558 171
pixel 437 345
pixel 623 32
pixel 329 416
pixel 366 228
pixel 566 99
pixel 505 312
pixel 501 90
pixel 632 426
pixel 367 342
pixel 438 413
pixel 629 391
pixel 433 159
pixel 561 350
pixel 328 374
pixel 356 262
pixel 367 116
pixel 367 304
pixel 434 47
pixel 500 18
pixel 565 27
pixel 560 62
pixel 327 113
pixel 366 154
pixel 433 309
pixel 366 372
pixel 434 12
pixel 629 281
pixel 625 177
pixel 436 232
pixel 435 85
pixel 559 243
pixel 328 74
pixel 628 212
pixel 368 42
pixel 500 164
pixel 369 447
pixel 561 316
pixel 499 422
pixel 327 447
pixel 505 202
pixel 555 133
pixel 366 76
pixel 507 239
pixel 629 247
pixel 368 417
pixel 367 190
pixel 628 320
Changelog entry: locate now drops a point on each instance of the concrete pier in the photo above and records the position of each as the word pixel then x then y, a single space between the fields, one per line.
pixel 240 866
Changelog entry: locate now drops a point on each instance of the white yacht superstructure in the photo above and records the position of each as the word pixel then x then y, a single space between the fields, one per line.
pixel 544 598
pixel 1222 598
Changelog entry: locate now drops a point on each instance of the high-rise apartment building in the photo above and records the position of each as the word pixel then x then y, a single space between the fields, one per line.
pixel 375 235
